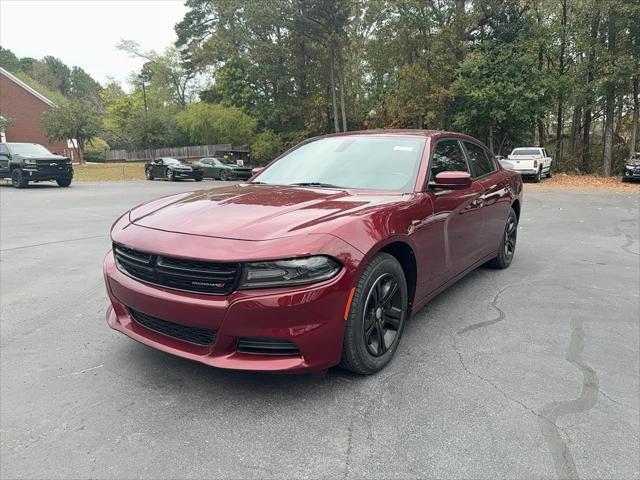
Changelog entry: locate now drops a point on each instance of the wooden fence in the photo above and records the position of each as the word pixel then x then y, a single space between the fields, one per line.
pixel 186 153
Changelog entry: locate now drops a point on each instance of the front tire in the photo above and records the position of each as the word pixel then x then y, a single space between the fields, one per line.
pixel 224 176
pixel 64 182
pixel 171 176
pixel 550 173
pixel 507 244
pixel 377 316
pixel 18 179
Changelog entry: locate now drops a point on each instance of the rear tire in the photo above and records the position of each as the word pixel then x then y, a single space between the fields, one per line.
pixel 377 316
pixel 538 176
pixel 149 174
pixel 17 179
pixel 507 244
pixel 64 182
pixel 171 176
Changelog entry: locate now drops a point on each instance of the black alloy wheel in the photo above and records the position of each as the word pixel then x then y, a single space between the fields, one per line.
pixel 382 315
pixel 224 175
pixel 171 176
pixel 507 244
pixel 376 316
pixel 148 174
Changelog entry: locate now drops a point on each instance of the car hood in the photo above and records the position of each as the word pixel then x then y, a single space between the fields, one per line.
pixel 258 212
pixel 51 158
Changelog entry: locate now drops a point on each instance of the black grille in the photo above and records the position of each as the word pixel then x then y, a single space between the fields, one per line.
pixel 186 333
pixel 181 274
pixel 266 346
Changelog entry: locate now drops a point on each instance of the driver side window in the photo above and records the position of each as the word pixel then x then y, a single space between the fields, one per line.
pixel 447 157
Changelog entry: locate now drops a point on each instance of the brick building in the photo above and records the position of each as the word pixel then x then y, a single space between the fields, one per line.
pixel 24 106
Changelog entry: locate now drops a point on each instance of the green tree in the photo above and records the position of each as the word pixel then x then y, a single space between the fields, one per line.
pixel 266 146
pixel 212 124
pixel 77 120
pixel 9 61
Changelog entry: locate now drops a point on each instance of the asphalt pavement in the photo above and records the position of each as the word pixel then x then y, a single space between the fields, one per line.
pixel 530 372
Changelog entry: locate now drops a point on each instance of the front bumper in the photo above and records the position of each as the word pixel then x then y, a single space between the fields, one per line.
pixel 311 317
pixel 631 174
pixel 35 174
pixel 187 174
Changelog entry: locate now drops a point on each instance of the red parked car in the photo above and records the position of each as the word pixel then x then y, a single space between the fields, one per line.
pixel 319 259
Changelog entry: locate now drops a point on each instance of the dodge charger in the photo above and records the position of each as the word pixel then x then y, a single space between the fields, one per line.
pixel 319 259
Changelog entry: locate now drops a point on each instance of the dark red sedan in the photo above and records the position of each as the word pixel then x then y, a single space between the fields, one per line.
pixel 319 259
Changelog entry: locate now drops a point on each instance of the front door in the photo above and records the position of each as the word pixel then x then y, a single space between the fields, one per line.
pixel 450 238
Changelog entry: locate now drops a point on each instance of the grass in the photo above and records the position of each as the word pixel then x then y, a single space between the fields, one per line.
pixel 108 172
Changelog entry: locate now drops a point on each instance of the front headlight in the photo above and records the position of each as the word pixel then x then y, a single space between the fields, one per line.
pixel 282 273
pixel 630 167
pixel 29 161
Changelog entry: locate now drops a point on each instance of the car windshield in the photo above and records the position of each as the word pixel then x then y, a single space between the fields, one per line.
pixel 365 161
pixel 171 161
pixel 526 151
pixel 28 149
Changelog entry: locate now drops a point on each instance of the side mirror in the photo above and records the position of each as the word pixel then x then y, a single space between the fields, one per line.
pixel 256 171
pixel 452 180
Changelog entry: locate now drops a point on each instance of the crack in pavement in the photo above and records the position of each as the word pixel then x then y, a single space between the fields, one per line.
pixel 563 460
pixel 521 404
pixel 486 323
pixel 55 241
pixel 629 241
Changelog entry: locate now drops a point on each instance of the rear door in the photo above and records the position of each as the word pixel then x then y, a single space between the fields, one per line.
pixel 494 201
pixel 4 159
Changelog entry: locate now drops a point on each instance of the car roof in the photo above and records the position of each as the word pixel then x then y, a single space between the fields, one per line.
pixel 433 134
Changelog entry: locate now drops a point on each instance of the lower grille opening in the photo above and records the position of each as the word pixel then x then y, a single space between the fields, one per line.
pixel 186 333
pixel 266 346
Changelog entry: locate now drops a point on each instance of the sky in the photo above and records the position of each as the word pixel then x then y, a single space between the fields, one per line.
pixel 84 33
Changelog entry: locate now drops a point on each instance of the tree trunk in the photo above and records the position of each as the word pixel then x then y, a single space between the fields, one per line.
pixel 610 99
pixel 80 151
pixel 491 137
pixel 575 128
pixel 341 80
pixel 559 127
pixel 336 124
pixel 588 112
pixel 610 107
pixel 634 121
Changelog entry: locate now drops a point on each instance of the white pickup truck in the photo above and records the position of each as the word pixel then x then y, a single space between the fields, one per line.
pixel 531 162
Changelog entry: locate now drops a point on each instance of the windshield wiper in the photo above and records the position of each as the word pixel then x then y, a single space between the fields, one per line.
pixel 315 184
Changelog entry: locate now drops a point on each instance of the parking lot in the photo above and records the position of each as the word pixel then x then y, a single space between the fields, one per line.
pixel 528 372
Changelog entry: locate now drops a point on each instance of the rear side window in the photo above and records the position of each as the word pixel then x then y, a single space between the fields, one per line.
pixel 480 161
pixel 447 157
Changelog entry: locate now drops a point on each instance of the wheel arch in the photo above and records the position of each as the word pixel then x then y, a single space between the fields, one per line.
pixel 404 253
pixel 516 207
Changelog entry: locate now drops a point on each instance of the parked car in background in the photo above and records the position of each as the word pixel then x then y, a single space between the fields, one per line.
pixel 632 168
pixel 223 169
pixel 532 162
pixel 31 162
pixel 320 259
pixel 172 169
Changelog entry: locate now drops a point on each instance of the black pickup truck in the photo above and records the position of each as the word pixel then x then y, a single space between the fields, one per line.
pixel 30 162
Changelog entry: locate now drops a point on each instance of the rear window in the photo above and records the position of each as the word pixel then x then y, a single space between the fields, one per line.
pixel 526 151
pixel 479 160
